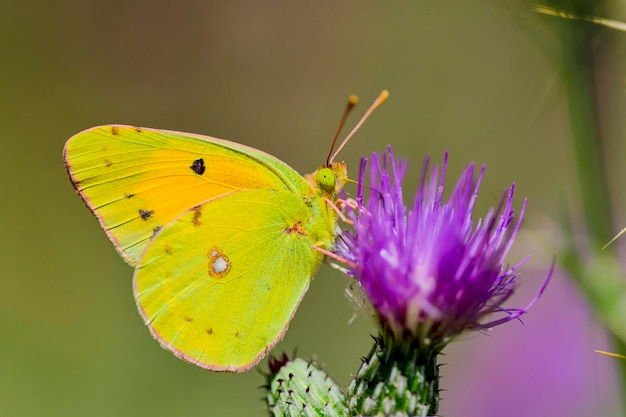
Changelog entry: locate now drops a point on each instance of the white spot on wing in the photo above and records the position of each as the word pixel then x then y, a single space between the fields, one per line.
pixel 219 264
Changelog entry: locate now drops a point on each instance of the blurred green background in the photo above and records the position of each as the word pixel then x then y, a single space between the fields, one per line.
pixel 478 78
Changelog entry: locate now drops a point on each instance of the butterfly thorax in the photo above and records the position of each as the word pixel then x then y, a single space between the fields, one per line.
pixel 325 184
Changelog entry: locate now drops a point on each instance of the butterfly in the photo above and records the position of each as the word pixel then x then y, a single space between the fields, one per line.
pixel 224 238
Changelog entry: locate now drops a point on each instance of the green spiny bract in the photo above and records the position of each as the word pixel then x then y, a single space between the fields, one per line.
pixel 298 388
pixel 395 381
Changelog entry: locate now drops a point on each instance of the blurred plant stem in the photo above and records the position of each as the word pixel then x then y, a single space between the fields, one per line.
pixel 596 271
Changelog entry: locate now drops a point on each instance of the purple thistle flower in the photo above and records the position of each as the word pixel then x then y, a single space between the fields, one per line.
pixel 430 272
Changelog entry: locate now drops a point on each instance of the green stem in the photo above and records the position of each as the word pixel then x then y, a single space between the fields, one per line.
pixel 579 80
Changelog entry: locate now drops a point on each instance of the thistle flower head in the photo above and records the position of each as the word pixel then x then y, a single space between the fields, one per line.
pixel 431 271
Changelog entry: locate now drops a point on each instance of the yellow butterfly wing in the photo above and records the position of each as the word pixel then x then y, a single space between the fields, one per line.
pixel 219 285
pixel 137 180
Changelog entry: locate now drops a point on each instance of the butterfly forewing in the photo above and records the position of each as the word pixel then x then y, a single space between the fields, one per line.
pixel 137 180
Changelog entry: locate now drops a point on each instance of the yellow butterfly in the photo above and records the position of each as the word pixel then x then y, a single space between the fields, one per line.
pixel 225 238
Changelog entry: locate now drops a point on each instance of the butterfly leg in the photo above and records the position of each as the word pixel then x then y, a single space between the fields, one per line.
pixel 339 210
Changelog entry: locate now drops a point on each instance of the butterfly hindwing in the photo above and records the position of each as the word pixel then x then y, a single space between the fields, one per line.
pixel 137 180
pixel 219 284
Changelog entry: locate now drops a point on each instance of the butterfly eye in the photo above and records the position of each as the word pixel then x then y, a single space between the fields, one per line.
pixel 326 180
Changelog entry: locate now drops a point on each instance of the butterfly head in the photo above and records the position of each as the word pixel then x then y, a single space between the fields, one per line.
pixel 329 180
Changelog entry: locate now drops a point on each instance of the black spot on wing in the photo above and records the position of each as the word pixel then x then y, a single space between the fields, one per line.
pixel 198 166
pixel 115 131
pixel 145 214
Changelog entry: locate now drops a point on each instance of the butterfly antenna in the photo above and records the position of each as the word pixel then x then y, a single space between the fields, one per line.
pixel 379 100
pixel 352 100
